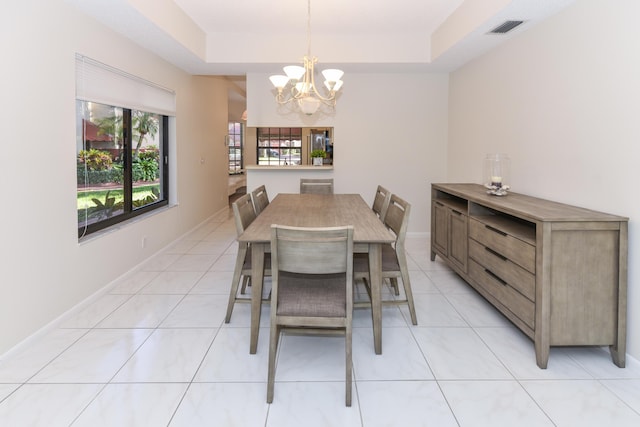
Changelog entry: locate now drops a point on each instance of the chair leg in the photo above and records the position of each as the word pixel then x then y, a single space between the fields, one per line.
pixel 273 347
pixel 367 286
pixel 246 281
pixel 349 364
pixel 394 285
pixel 406 283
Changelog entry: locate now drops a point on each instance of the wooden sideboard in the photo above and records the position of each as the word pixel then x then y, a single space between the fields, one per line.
pixel 558 272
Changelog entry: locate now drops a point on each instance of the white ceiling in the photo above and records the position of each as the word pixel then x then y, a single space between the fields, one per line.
pixel 327 16
pixel 234 37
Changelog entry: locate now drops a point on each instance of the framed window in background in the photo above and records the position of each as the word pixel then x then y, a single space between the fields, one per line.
pixel 279 146
pixel 122 140
pixel 235 144
pixel 284 147
pixel 121 164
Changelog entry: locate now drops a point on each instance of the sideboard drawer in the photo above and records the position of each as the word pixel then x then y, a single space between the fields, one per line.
pixel 520 252
pixel 497 286
pixel 519 278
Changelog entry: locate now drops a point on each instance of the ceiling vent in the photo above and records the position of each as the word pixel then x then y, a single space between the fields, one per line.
pixel 505 27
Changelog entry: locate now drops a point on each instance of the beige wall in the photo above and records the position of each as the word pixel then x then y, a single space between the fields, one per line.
pixel 389 129
pixel 562 100
pixel 44 271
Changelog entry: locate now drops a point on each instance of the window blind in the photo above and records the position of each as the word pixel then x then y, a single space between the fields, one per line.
pixel 98 82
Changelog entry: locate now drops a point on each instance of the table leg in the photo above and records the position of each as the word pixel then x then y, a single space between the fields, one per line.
pixel 375 275
pixel 257 270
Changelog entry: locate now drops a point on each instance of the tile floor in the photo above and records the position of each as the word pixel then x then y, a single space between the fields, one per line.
pixel 155 351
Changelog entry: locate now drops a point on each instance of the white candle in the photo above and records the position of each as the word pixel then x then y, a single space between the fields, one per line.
pixel 496 181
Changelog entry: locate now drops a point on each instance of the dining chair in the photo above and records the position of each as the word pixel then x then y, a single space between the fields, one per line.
pixel 316 186
pixel 381 202
pixel 312 288
pixel 394 257
pixel 243 215
pixel 260 199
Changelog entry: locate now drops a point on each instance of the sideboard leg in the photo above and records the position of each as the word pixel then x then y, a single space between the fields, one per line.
pixel 617 355
pixel 433 256
pixel 542 355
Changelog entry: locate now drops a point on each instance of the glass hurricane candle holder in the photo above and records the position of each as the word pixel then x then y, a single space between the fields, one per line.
pixel 496 174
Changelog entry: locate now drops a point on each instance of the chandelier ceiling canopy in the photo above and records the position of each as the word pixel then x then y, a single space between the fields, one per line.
pixel 298 84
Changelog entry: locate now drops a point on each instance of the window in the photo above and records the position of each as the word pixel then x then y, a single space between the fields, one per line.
pixel 121 164
pixel 279 146
pixel 235 144
pixel 122 141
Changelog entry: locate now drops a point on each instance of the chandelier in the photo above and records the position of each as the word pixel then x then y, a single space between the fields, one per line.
pixel 300 81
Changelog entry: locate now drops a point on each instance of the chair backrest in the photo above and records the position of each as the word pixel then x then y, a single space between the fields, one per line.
pixel 318 250
pixel 243 213
pixel 397 218
pixel 316 186
pixel 260 199
pixel 381 202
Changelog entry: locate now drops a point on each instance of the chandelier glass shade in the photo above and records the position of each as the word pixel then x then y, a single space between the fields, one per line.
pixel 298 83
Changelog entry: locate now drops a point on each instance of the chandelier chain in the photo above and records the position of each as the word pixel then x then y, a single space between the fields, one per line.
pixel 309 28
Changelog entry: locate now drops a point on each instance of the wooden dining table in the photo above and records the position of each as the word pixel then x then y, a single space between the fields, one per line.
pixel 318 210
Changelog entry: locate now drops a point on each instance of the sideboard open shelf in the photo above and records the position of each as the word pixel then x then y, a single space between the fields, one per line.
pixel 557 272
